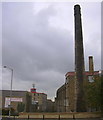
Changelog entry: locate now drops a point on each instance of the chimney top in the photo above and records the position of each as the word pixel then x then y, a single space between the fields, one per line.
pixel 77 9
pixel 90 56
pixel 91 65
pixel 77 5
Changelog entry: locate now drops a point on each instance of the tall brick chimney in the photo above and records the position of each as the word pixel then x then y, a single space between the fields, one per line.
pixel 79 60
pixel 91 65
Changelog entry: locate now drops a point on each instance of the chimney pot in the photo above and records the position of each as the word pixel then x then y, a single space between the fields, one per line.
pixel 91 65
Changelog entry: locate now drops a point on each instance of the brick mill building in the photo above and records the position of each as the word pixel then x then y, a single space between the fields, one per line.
pixel 33 101
pixel 17 97
pixel 39 101
pixel 72 96
pixel 65 96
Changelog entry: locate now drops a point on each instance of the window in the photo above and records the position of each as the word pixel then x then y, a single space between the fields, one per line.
pixel 66 102
pixel 91 79
pixel 67 80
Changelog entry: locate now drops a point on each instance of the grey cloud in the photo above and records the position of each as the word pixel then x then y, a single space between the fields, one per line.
pixel 93 48
pixel 36 51
pixel 101 35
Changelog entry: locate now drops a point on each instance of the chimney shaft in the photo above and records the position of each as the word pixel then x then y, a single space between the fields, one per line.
pixel 79 52
pixel 91 65
pixel 79 59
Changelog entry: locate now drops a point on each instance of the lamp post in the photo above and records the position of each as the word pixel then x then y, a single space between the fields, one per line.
pixel 10 87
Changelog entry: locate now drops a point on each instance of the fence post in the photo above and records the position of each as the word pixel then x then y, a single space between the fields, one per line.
pixel 73 117
pixel 43 117
pixel 28 117
pixel 14 117
pixel 59 117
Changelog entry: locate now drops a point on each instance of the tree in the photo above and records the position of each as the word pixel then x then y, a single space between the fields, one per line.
pixel 28 102
pixel 5 111
pixel 21 107
pixel 102 94
pixel 93 94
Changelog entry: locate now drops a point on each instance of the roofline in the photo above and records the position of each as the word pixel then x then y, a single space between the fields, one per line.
pixel 74 72
pixel 38 93
pixel 15 90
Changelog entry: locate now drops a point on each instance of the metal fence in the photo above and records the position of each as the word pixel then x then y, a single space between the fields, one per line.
pixel 14 118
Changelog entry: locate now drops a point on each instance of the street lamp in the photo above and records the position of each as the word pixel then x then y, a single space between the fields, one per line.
pixel 10 87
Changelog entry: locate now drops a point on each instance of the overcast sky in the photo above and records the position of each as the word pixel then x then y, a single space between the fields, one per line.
pixel 38 43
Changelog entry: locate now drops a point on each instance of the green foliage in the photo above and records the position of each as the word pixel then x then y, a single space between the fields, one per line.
pixel 102 94
pixel 93 94
pixel 28 102
pixel 12 111
pixel 21 107
pixel 5 111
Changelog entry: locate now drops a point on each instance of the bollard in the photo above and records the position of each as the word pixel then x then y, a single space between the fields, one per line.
pixel 14 117
pixel 73 117
pixel 28 117
pixel 59 117
pixel 43 117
